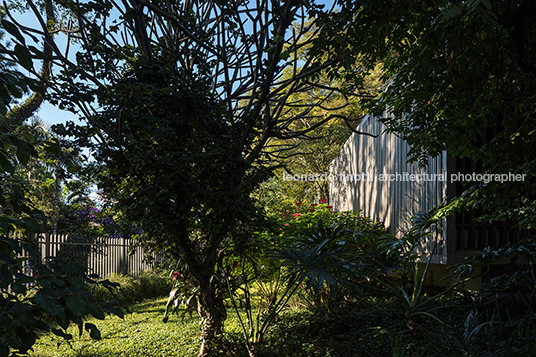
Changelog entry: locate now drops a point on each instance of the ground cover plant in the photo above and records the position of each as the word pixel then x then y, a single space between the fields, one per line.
pixel 144 285
pixel 361 331
pixel 374 327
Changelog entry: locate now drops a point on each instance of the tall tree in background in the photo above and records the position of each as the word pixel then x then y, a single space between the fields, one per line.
pixel 24 105
pixel 18 109
pixel 51 178
pixel 181 100
pixel 309 156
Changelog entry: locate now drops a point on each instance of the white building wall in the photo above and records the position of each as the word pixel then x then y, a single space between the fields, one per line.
pixel 393 202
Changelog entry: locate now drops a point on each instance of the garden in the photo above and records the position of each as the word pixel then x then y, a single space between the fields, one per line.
pixel 317 283
pixel 177 125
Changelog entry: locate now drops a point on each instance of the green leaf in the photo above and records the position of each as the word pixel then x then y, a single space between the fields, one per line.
pixel 5 164
pixel 60 333
pixel 32 251
pixel 73 168
pixel 45 301
pixel 95 311
pixel 22 146
pixel 23 157
pixel 15 91
pixel 24 56
pixel 31 223
pixel 117 311
pixel 21 314
pixel 52 147
pixel 36 86
pixel 38 54
pixel 3 109
pixel 94 332
pixel 13 30
pixel 7 259
pixel 28 339
pixel 76 304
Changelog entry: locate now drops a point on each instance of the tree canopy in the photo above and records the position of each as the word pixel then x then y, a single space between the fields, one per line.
pixel 461 79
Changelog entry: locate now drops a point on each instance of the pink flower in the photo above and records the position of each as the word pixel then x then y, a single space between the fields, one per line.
pixel 285 224
pixel 297 214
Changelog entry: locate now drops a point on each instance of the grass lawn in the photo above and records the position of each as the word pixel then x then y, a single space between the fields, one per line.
pixel 141 333
pixel 355 331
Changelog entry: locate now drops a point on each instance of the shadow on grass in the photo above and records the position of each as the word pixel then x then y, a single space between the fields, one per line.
pixel 357 331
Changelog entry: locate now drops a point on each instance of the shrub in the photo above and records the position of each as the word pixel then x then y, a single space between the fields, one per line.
pixel 146 285
pixel 350 238
pixel 483 336
pixel 365 329
pixel 312 248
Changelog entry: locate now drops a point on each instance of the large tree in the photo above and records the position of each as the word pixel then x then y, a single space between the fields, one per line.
pixel 181 100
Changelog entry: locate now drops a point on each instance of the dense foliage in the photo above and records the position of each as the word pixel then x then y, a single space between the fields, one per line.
pixel 35 296
pixel 461 79
pixel 31 290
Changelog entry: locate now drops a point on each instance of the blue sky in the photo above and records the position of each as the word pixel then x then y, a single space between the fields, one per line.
pixel 48 113
pixel 52 115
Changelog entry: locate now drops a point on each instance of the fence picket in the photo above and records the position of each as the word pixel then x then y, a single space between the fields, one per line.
pixel 103 258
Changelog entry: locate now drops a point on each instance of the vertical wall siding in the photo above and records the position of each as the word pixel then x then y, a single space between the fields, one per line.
pixel 393 202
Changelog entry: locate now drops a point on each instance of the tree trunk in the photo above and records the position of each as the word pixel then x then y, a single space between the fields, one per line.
pixel 213 312
pixel 253 350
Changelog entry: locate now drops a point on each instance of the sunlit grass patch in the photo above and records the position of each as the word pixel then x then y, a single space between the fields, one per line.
pixel 140 333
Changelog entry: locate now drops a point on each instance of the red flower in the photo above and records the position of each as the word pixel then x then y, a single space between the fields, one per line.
pixel 285 224
pixel 312 209
pixel 314 205
pixel 176 275
pixel 329 207
pixel 298 203
pixel 323 200
pixel 297 214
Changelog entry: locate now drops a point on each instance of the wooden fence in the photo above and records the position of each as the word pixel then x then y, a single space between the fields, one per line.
pixel 103 256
